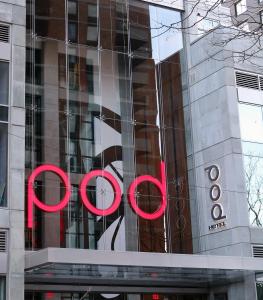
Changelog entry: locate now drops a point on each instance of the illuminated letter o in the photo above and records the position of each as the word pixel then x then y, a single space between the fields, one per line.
pixel 115 186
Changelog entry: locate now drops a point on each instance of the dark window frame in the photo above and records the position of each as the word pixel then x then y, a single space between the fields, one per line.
pixel 4 121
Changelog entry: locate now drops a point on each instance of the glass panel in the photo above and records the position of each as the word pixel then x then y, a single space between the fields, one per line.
pixel 144 89
pixel 72 32
pixel 241 6
pixel 3 113
pixel 72 8
pixel 113 25
pixel 2 289
pixel 151 33
pixel 259 291
pixel 4 82
pixel 254 184
pixel 166 38
pixel 50 19
pixel 252 148
pixel 3 164
pixel 34 66
pixel 83 22
pixel 251 123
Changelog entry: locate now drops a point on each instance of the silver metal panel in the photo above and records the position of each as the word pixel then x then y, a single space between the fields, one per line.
pixel 140 259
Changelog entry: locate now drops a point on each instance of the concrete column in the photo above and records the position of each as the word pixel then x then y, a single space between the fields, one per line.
pixel 15 276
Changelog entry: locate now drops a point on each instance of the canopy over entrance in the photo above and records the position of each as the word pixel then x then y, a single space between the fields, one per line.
pixel 61 269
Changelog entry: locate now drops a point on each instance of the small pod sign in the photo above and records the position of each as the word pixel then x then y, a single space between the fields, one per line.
pixel 215 193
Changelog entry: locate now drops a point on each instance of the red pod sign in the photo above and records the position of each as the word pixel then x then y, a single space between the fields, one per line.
pixel 33 200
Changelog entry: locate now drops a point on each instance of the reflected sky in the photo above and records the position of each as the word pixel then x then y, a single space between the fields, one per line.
pixel 165 40
pixel 251 123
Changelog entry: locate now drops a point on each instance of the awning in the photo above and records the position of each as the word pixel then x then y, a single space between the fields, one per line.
pixel 107 271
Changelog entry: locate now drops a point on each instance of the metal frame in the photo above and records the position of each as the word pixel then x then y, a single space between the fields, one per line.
pixel 141 259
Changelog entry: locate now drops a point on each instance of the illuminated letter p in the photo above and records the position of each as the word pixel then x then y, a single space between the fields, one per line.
pixel 160 185
pixel 32 198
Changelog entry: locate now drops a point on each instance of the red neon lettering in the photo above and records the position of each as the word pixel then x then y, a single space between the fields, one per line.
pixel 32 198
pixel 115 186
pixel 162 188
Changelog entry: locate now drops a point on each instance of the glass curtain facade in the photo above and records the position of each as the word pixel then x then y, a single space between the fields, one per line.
pixel 104 91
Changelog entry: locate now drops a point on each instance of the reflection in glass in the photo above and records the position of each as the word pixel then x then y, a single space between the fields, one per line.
pixel 251 123
pixel 3 113
pixel 4 82
pixel 50 19
pixel 259 290
pixel 104 92
pixel 254 185
pixel 2 288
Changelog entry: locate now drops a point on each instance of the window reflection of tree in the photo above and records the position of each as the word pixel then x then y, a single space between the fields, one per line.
pixel 254 186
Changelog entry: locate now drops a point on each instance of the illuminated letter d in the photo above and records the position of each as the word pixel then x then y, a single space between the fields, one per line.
pixel 161 185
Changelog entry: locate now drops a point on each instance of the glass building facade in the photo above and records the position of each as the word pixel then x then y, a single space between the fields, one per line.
pixel 117 87
pixel 104 91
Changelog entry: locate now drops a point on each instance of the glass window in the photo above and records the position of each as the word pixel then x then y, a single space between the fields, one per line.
pixel 165 41
pixel 3 164
pixel 254 185
pixel 151 33
pixel 83 22
pixel 72 32
pixel 92 10
pixel 92 34
pixel 244 27
pixel 50 19
pixel 4 82
pixel 2 288
pixel 206 24
pixel 251 125
pixel 260 290
pixel 72 7
pixel 240 6
pixel 3 113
